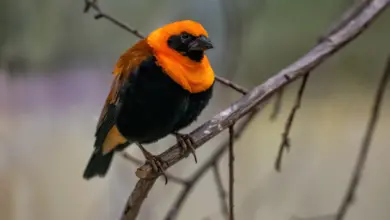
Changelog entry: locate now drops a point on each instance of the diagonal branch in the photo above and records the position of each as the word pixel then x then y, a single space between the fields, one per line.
pixel 261 93
pixel 346 17
pixel 93 4
pixel 285 144
pixel 357 173
pixel 257 96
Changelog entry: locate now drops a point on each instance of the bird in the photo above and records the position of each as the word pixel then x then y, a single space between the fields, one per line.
pixel 160 86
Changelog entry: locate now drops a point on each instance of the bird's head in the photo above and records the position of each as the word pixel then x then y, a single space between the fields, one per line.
pixel 179 48
pixel 187 38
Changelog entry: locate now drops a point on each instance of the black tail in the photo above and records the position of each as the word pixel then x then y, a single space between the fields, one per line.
pixel 98 164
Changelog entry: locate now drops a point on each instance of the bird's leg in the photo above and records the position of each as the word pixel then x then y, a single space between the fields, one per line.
pixel 155 161
pixel 186 142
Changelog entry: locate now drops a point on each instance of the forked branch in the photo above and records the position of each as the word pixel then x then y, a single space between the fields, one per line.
pixel 261 93
pixel 254 100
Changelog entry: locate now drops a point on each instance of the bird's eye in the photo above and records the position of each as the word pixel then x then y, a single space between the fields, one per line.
pixel 185 36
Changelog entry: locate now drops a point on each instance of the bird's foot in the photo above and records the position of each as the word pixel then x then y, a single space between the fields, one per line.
pixel 186 142
pixel 155 161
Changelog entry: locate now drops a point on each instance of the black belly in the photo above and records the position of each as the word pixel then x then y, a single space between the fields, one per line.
pixel 153 105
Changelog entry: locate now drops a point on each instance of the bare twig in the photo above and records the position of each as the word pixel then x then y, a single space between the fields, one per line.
pixel 231 172
pixel 277 105
pixel 285 144
pixel 261 93
pixel 232 85
pixel 221 190
pixel 357 173
pixel 100 14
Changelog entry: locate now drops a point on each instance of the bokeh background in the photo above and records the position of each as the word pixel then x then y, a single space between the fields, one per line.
pixel 55 74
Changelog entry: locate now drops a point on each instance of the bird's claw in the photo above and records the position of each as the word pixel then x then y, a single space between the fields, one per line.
pixel 186 142
pixel 157 165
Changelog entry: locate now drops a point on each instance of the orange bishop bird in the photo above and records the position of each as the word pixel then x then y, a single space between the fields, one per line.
pixel 160 86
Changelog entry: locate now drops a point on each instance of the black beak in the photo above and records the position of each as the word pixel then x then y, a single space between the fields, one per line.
pixel 201 43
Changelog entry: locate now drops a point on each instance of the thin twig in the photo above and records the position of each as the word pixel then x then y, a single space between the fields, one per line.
pixel 277 105
pixel 364 148
pixel 285 145
pixel 100 14
pixel 231 172
pixel 139 162
pixel 221 190
pixel 232 85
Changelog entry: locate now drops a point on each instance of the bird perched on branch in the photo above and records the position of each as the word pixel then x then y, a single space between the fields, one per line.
pixel 160 86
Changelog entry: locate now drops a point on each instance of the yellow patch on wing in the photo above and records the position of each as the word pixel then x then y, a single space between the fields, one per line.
pixel 113 139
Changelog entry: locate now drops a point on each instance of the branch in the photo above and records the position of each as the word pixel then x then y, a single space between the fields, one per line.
pixel 347 16
pixel 221 191
pixel 231 172
pixel 286 144
pixel 357 173
pixel 261 93
pixel 232 85
pixel 139 162
pixel 100 14
pixel 137 197
pixel 256 97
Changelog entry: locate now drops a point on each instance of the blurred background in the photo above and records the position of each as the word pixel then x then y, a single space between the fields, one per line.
pixel 55 65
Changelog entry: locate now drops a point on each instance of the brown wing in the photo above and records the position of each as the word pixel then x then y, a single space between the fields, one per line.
pixel 107 134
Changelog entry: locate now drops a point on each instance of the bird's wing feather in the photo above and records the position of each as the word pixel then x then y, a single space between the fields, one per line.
pixel 107 134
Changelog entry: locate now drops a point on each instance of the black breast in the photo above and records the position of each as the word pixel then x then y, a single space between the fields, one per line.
pixel 153 105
